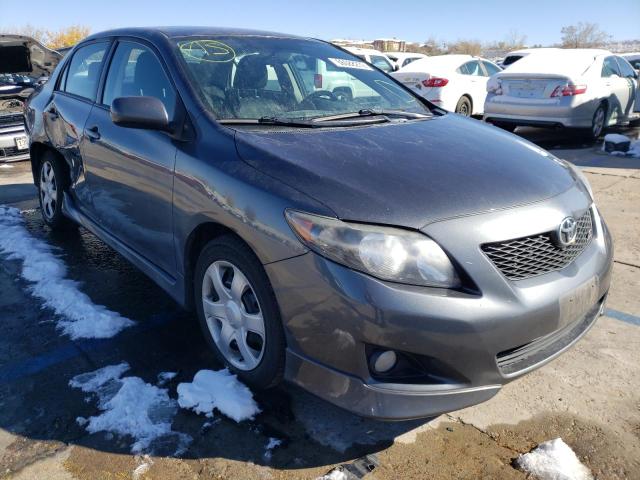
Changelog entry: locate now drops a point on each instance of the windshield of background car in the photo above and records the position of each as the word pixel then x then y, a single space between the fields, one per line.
pixel 250 77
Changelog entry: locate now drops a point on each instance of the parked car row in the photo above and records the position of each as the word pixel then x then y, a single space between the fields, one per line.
pixel 588 89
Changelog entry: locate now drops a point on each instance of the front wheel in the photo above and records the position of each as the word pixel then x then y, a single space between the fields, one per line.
pixel 52 181
pixel 238 312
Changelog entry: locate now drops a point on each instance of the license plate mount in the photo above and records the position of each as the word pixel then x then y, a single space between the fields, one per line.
pixel 574 305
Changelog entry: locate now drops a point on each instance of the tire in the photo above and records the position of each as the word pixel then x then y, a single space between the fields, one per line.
pixel 464 107
pixel 231 319
pixel 598 122
pixel 53 181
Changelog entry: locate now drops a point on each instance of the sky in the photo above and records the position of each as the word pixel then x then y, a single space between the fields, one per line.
pixel 415 20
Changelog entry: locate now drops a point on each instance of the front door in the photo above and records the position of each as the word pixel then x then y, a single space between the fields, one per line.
pixel 129 170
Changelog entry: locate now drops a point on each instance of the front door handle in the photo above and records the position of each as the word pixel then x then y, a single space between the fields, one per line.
pixel 93 133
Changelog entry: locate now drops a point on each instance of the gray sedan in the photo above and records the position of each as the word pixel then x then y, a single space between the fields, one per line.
pixel 392 258
pixel 581 88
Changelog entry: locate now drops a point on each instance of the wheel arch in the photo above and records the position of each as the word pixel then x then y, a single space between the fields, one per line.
pixel 196 241
pixel 36 151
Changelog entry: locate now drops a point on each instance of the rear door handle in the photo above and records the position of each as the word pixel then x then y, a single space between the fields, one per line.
pixel 93 133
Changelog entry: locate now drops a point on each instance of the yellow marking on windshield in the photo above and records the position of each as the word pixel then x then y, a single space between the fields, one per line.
pixel 214 51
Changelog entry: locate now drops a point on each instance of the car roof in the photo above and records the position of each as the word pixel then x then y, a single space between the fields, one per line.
pixel 438 62
pixel 184 31
pixel 531 50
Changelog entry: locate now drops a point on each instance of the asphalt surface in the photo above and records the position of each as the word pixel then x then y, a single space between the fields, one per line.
pixel 590 396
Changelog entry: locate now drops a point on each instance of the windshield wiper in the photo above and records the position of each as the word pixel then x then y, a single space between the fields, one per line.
pixel 266 120
pixel 366 112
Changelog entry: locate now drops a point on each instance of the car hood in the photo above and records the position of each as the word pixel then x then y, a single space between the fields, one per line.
pixel 24 55
pixel 408 174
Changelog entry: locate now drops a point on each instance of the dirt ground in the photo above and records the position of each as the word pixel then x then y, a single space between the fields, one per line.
pixel 590 396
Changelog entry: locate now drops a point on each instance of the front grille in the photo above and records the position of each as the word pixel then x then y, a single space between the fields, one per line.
pixel 14 119
pixel 11 152
pixel 521 358
pixel 538 254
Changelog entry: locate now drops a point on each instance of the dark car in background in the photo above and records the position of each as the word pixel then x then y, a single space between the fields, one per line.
pixel 392 258
pixel 24 65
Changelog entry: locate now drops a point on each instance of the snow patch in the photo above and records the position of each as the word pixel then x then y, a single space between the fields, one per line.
pixel 131 407
pixel 335 474
pixel 553 460
pixel 144 464
pixel 220 390
pixel 81 318
pixel 164 377
pixel 268 449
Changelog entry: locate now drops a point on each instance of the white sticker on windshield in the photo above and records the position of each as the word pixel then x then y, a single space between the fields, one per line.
pixel 344 63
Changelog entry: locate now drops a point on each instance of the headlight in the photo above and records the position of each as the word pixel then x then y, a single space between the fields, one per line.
pixel 387 253
pixel 581 178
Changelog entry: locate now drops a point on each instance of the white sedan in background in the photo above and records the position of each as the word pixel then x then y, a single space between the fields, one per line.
pixel 402 59
pixel 578 88
pixel 374 57
pixel 457 83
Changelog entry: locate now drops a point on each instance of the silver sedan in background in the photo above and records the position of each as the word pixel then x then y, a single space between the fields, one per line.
pixel 581 88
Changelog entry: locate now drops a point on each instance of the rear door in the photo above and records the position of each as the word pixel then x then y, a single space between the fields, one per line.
pixel 476 84
pixel 129 170
pixel 620 98
pixel 69 108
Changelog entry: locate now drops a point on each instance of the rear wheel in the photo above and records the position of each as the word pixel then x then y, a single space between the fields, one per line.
pixel 464 107
pixel 238 312
pixel 598 122
pixel 52 182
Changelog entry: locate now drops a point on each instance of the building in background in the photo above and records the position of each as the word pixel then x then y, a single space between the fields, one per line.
pixel 390 45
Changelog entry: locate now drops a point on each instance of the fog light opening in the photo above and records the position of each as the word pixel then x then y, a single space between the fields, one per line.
pixel 383 361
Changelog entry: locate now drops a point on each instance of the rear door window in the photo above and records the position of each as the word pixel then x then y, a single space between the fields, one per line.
pixel 610 68
pixel 83 74
pixel 381 62
pixel 471 68
pixel 136 71
pixel 491 68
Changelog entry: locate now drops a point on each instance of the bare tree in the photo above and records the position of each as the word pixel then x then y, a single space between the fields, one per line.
pixel 583 35
pixel 469 47
pixel 431 46
pixel 514 40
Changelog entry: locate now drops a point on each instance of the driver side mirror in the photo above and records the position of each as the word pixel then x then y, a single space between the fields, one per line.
pixel 147 113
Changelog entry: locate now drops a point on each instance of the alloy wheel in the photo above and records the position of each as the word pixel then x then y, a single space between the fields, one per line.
pixel 48 190
pixel 233 315
pixel 598 122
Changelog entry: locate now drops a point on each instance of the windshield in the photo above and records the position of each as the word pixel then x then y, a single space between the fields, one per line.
pixel 252 77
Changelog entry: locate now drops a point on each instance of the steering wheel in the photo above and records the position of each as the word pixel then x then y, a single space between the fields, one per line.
pixel 319 95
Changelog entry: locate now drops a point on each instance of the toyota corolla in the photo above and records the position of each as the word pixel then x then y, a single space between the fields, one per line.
pixel 392 258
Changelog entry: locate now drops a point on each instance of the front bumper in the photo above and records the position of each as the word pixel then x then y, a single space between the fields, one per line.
pixel 333 314
pixel 8 146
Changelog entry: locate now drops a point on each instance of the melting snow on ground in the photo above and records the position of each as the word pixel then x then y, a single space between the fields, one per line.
pixel 553 460
pixel 335 474
pixel 164 377
pixel 131 407
pixel 617 139
pixel 220 390
pixel 268 449
pixel 81 318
